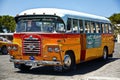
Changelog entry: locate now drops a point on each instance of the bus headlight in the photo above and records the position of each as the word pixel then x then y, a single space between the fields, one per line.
pixel 15 48
pixel 9 48
pixel 53 49
pixel 50 49
pixel 56 49
pixel 12 47
pixel 54 59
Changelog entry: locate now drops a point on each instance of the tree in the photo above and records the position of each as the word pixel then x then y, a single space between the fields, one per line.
pixel 115 19
pixel 7 23
pixel 1 24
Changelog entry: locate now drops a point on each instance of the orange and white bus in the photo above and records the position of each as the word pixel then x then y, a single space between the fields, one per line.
pixel 60 38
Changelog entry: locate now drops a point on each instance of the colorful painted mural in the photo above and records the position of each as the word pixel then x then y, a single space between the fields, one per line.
pixel 93 40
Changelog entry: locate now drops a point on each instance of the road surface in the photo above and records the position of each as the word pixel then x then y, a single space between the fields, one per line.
pixel 93 70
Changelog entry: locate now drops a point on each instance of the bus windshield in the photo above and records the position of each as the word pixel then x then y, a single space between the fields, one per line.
pixel 40 24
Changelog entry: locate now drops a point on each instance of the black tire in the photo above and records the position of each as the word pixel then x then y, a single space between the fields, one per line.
pixel 105 54
pixel 4 50
pixel 23 67
pixel 111 55
pixel 69 62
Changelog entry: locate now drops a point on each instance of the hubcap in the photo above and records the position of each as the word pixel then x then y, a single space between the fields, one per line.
pixel 105 54
pixel 67 61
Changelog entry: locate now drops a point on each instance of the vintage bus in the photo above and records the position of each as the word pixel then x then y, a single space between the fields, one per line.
pixel 59 38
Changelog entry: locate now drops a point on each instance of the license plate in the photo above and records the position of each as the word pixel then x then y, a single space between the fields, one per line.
pixel 29 63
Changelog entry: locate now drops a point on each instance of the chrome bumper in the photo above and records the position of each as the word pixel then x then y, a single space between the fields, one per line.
pixel 35 62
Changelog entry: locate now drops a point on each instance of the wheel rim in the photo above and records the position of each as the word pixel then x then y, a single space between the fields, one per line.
pixel 105 54
pixel 67 61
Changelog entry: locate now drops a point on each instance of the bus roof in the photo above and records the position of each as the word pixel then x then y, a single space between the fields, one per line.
pixel 62 13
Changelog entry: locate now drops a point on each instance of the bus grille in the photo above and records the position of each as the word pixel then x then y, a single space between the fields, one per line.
pixel 31 46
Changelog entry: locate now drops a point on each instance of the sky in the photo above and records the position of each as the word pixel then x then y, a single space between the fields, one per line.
pixel 104 8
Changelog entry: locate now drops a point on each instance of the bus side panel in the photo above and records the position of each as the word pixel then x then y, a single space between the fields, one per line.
pixel 72 42
pixel 67 42
pixel 108 40
pixel 92 46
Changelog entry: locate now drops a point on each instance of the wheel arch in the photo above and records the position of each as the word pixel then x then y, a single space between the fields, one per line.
pixel 71 52
pixel 106 47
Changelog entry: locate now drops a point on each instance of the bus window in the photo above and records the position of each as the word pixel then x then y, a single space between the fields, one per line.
pixel 69 25
pixel 110 28
pixel 92 27
pixel 81 26
pixel 75 25
pixel 21 26
pixel 106 28
pixel 60 27
pixel 87 27
pixel 103 28
pixel 97 27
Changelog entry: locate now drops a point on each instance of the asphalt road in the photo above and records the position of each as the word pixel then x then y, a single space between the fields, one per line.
pixel 93 70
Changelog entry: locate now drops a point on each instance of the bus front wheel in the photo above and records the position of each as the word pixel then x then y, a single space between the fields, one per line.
pixel 69 62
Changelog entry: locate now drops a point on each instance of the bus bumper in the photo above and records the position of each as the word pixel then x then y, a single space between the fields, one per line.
pixel 35 62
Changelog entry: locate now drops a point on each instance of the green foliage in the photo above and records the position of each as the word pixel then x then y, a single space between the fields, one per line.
pixel 1 24
pixel 115 19
pixel 7 22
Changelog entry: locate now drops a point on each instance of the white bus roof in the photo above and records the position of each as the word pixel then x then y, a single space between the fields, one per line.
pixel 61 13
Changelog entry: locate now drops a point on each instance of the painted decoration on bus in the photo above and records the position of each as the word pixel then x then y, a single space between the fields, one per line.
pixel 93 40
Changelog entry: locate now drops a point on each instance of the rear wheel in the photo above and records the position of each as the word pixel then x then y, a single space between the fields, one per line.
pixel 105 54
pixel 111 55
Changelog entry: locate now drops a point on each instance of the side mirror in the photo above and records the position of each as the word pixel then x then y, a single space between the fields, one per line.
pixel 115 40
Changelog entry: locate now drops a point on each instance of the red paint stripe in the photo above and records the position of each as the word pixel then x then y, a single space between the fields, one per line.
pixel 55 35
pixel 61 35
pixel 83 54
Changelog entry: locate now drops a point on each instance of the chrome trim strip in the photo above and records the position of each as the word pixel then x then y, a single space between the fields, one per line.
pixel 36 62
